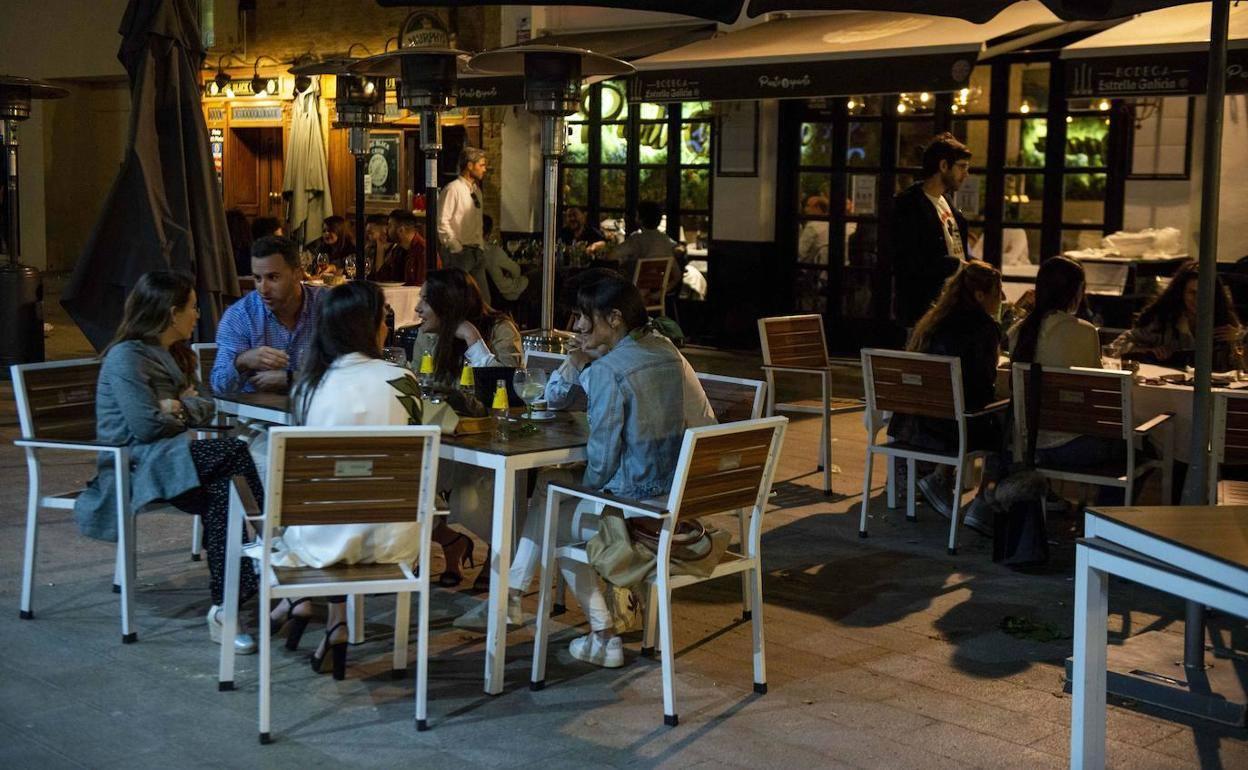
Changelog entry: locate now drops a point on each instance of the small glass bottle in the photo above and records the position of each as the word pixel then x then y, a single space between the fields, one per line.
pixel 467 383
pixel 500 410
pixel 425 375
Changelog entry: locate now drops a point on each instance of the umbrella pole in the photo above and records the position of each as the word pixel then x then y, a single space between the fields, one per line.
pixel 553 139
pixel 361 161
pixel 431 143
pixel 1195 489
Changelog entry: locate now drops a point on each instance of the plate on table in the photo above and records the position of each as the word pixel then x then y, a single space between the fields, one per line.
pixel 544 415
pixel 389 284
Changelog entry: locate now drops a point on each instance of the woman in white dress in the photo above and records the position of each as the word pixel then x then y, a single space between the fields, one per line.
pixel 345 382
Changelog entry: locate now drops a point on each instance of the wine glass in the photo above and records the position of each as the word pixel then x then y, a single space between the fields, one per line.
pixel 305 261
pixel 348 266
pixel 530 386
pixel 322 261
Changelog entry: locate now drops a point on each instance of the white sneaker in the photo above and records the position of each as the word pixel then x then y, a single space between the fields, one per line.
pixel 477 618
pixel 590 649
pixel 244 644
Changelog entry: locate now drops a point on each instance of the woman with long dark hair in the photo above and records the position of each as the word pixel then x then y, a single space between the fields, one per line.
pixel 963 323
pixel 147 399
pixel 459 328
pixel 344 382
pixel 336 242
pixel 1165 332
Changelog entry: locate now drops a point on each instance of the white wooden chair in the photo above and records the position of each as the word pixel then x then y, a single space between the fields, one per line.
pixel 205 356
pixel 650 276
pixel 721 468
pixel 344 475
pixel 919 385
pixel 796 344
pixel 1093 402
pixel 1230 446
pixel 56 410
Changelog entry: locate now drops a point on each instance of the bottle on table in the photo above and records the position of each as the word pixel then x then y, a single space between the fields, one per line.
pixel 425 375
pixel 500 410
pixel 467 383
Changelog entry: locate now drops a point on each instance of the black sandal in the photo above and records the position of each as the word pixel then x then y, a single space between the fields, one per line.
pixel 298 623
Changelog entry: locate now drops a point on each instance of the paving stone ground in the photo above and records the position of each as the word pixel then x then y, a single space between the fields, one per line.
pixel 882 652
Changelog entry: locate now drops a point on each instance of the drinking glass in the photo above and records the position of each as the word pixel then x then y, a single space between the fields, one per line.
pixel 530 386
pixel 305 260
pixel 1111 357
pixel 348 266
pixel 395 355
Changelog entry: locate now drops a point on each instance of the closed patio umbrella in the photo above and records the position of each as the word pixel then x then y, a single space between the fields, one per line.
pixel 305 183
pixel 164 210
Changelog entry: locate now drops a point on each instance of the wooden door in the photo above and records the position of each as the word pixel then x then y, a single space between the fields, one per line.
pixel 254 166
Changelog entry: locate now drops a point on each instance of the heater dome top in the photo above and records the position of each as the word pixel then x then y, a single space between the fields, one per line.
pixel 510 60
pixel 391 64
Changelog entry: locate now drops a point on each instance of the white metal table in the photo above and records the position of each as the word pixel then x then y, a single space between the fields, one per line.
pixel 1199 553
pixel 560 441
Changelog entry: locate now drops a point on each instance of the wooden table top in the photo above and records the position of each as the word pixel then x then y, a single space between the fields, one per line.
pixel 1217 531
pixel 276 401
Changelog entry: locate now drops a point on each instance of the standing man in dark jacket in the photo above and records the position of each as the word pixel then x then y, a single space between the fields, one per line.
pixel 929 234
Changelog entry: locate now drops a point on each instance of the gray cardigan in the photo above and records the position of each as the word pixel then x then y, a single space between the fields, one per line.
pixel 134 378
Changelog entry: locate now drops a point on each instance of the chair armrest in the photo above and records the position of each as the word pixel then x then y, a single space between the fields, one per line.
pixel 1153 424
pixel 606 498
pixel 214 428
pixel 80 446
pixel 995 406
pixel 251 509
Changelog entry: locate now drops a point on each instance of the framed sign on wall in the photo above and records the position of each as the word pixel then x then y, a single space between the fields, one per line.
pixel 381 176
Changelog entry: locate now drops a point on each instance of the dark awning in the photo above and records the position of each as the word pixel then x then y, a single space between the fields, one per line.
pixel 626 44
pixel 726 11
pixel 838 54
pixel 1161 52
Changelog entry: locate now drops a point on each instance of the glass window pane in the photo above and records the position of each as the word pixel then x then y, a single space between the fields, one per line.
pixel 865 105
pixel 613 146
pixel 813 194
pixel 970 196
pixel 611 189
pixel 1024 197
pixel 696 110
pixel 916 103
pixel 1077 240
pixel 902 182
pixel 614 104
pixel 862 195
pixel 695 188
pixel 816 144
pixel 1083 199
pixel 695 143
pixel 812 242
pixel 611 223
pixel 1019 246
pixel 856 293
pixel 652 142
pixel 651 111
pixel 1087 141
pixel 575 186
pixel 861 243
pixel 1029 87
pixel 973 98
pixel 912 137
pixel 810 290
pixel 578 143
pixel 696 233
pixel 863 148
pixel 652 185
pixel 582 112
pixel 1025 142
pixel 974 134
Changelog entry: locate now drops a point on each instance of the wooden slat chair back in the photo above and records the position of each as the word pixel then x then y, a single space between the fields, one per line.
pixel 58 402
pixel 329 476
pixel 796 344
pixel 919 385
pixel 651 277
pixel 720 468
pixel 795 340
pixel 1092 402
pixel 924 387
pixel 733 399
pixel 1230 446
pixel 56 407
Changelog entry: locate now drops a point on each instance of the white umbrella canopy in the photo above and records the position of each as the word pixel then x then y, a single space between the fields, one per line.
pixel 305 183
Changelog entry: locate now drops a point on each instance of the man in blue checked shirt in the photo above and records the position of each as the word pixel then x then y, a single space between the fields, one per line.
pixel 262 338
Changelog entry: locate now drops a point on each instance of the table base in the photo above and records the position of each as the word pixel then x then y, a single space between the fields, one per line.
pixel 1149 668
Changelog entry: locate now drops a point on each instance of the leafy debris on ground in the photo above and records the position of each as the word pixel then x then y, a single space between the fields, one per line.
pixel 1036 631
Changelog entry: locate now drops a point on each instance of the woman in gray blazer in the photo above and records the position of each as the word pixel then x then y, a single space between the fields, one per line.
pixel 146 398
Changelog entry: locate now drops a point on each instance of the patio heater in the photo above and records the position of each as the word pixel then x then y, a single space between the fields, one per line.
pixel 21 286
pixel 359 104
pixel 552 89
pixel 428 83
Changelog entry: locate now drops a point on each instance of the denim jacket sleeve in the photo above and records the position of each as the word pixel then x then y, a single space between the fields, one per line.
pixel 563 388
pixel 606 425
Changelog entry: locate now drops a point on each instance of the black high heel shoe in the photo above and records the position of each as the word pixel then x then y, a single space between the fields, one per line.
pixel 482 583
pixel 449 579
pixel 298 624
pixel 336 651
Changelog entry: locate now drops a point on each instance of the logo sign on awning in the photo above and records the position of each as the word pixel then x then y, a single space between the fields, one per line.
pixel 491 91
pixel 1177 74
pixel 803 80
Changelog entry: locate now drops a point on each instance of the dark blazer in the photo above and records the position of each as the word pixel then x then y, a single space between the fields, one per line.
pixel 921 260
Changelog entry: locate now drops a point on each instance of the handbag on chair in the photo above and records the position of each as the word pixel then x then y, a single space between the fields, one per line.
pixel 1019 536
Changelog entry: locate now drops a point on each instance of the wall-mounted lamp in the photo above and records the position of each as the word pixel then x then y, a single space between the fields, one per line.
pixel 262 86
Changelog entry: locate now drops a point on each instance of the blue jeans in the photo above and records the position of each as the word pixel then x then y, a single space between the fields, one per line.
pixel 1091 451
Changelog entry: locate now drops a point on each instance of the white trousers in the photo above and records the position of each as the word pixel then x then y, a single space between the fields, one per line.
pixel 578 522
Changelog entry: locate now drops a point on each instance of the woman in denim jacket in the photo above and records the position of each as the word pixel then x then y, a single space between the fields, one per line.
pixel 642 395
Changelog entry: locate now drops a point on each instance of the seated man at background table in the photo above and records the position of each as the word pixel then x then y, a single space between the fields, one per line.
pixel 262 337
pixel 406 260
pixel 647 243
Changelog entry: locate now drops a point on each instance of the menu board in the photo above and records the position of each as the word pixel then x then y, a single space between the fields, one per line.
pixel 381 172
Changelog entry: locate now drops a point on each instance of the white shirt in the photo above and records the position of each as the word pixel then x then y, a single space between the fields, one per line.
pixel 948 225
pixel 645 244
pixel 355 391
pixel 460 221
pixel 812 244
